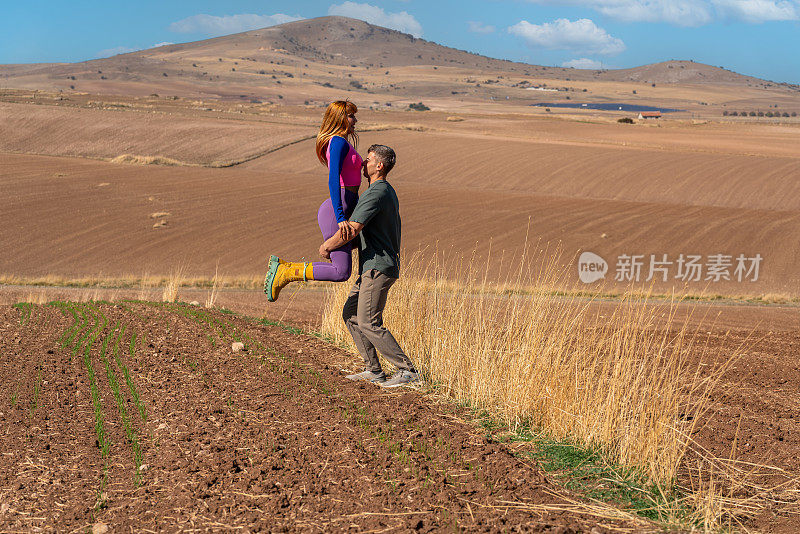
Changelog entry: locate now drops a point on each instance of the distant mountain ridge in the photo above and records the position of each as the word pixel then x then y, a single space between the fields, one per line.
pixel 345 41
pixel 324 52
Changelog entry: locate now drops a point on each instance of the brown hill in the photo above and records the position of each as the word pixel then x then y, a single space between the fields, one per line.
pixel 319 59
pixel 679 72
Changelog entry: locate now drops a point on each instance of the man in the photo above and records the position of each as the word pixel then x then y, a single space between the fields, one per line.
pixel 376 221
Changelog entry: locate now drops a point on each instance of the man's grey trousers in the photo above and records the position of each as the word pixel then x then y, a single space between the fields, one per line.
pixel 363 315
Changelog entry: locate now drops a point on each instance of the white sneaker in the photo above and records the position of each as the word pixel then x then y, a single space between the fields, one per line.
pixel 369 376
pixel 402 378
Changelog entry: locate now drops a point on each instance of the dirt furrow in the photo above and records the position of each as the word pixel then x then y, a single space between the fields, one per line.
pixel 272 438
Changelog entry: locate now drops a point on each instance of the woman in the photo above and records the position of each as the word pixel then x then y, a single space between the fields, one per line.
pixel 344 179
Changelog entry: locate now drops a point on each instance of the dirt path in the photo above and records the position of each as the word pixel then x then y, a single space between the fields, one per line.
pixel 140 415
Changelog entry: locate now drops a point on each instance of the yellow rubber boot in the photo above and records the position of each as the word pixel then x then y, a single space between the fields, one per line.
pixel 282 273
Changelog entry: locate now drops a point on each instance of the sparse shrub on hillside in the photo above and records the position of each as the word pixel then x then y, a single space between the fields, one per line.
pixel 725 113
pixel 164 74
pixel 768 114
pixel 752 114
pixel 625 120
pixel 356 84
pixel 785 114
pixel 327 84
pixel 760 113
pixel 634 91
pixel 419 106
pixel 794 114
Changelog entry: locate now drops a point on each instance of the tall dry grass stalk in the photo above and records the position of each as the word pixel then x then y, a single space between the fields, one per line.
pixel 40 297
pixel 211 298
pixel 614 376
pixel 173 284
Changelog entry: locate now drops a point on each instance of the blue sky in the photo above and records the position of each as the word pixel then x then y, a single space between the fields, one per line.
pixel 755 37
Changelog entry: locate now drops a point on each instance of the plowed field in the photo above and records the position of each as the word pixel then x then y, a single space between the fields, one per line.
pixel 140 416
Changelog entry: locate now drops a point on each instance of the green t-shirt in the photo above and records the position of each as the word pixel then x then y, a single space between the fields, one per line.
pixel 379 211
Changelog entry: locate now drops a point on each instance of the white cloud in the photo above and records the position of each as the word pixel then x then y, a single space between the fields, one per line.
pixel 583 63
pixel 214 26
pixel 757 11
pixel 401 21
pixel 477 27
pixel 562 34
pixel 688 12
pixel 678 12
pixel 165 43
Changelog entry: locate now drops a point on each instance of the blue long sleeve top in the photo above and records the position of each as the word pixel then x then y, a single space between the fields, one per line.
pixel 339 148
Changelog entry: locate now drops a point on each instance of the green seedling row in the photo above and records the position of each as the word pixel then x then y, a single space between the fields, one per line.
pixel 99 422
pixel 25 309
pixel 66 309
pixel 128 380
pixel 79 333
pixel 82 335
pixel 130 431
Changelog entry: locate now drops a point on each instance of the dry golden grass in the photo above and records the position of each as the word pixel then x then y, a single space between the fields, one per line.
pixel 616 381
pixel 132 159
pixel 142 282
pixel 212 294
pixel 412 126
pixel 170 293
pixel 621 381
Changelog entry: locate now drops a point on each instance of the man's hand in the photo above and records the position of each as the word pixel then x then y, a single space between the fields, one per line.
pixel 337 241
pixel 324 253
pixel 346 230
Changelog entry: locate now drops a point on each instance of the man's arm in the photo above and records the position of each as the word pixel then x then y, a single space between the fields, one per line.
pixel 336 241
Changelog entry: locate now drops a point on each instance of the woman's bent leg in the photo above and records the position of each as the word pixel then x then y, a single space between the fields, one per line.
pixel 341 259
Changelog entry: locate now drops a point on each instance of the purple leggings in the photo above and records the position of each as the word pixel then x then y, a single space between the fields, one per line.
pixel 341 258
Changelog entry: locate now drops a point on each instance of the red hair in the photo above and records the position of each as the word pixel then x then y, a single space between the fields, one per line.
pixel 335 123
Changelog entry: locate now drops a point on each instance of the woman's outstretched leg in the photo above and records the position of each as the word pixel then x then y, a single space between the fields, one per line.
pixel 282 273
pixel 338 270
